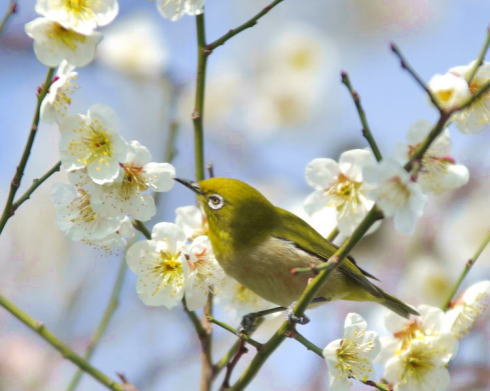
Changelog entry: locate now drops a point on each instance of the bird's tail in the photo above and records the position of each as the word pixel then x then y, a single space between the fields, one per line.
pixel 397 305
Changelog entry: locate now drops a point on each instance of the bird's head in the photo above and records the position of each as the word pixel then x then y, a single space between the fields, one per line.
pixel 237 213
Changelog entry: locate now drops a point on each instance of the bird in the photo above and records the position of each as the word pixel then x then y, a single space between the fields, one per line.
pixel 259 244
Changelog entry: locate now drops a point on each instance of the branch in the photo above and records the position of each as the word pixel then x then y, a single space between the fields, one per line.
pixel 230 329
pixel 19 172
pixel 197 115
pixel 35 184
pixel 480 58
pixel 404 64
pixel 204 329
pixel 104 322
pixel 366 131
pixel 11 9
pixel 333 234
pixel 248 24
pixel 138 225
pixel 65 351
pixel 469 264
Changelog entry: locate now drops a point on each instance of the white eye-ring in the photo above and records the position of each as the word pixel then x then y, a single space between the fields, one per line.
pixel 215 201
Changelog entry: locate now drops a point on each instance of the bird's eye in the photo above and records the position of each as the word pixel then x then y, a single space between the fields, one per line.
pixel 215 201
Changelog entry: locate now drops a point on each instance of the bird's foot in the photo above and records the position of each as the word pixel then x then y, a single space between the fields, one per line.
pixel 248 322
pixel 295 319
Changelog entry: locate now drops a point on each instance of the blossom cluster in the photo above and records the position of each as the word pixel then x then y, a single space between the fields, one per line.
pixel 357 181
pixel 110 178
pixel 416 353
pixel 178 262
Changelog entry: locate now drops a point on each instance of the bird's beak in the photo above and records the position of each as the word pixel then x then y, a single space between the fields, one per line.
pixel 194 186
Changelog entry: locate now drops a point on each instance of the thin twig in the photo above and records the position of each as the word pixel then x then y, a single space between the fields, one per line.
pixel 11 9
pixel 480 59
pixel 19 172
pixel 65 351
pixel 241 350
pixel 234 331
pixel 35 184
pixel 103 323
pixel 366 131
pixel 405 65
pixel 142 228
pixel 248 24
pixel 467 267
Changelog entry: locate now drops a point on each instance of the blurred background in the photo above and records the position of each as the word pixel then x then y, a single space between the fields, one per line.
pixel 274 102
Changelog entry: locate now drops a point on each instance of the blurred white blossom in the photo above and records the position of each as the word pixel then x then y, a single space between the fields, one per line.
pixel 117 239
pixel 54 43
pixel 238 300
pixel 351 356
pixel 437 172
pixel 466 310
pixel 58 98
pixel 340 186
pixel 175 9
pixel 395 193
pixel 191 220
pixel 127 193
pixel 426 280
pixel 92 141
pixel 160 265
pixel 205 273
pixel 134 46
pixel 449 90
pixel 475 118
pixel 82 16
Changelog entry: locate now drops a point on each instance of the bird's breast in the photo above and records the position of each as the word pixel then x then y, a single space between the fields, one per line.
pixel 266 269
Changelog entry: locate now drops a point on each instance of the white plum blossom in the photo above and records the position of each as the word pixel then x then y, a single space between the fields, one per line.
pixel 134 47
pixel 75 216
pixel 160 265
pixel 340 186
pixel 205 274
pixel 117 239
pixel 422 365
pixel 238 300
pixel 191 220
pixel 83 16
pixel 175 9
pixel 476 118
pixel 351 356
pixel 449 90
pixel 466 310
pixel 91 141
pixel 58 98
pixel 395 193
pixel 437 172
pixel 416 354
pixel 54 43
pixel 126 194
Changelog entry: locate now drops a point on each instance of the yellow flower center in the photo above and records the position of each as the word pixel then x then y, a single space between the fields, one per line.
pixel 350 361
pixel 417 364
pixel 301 59
pixel 81 9
pixel 344 193
pixel 169 269
pixel 85 212
pixel 94 146
pixel 133 181
pixel 66 36
pixel 445 95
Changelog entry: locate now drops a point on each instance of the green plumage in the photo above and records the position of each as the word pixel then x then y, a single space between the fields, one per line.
pixel 258 244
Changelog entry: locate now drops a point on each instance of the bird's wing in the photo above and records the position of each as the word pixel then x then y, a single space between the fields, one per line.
pixel 299 232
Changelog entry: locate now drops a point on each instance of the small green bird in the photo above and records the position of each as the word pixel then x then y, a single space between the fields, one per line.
pixel 258 244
